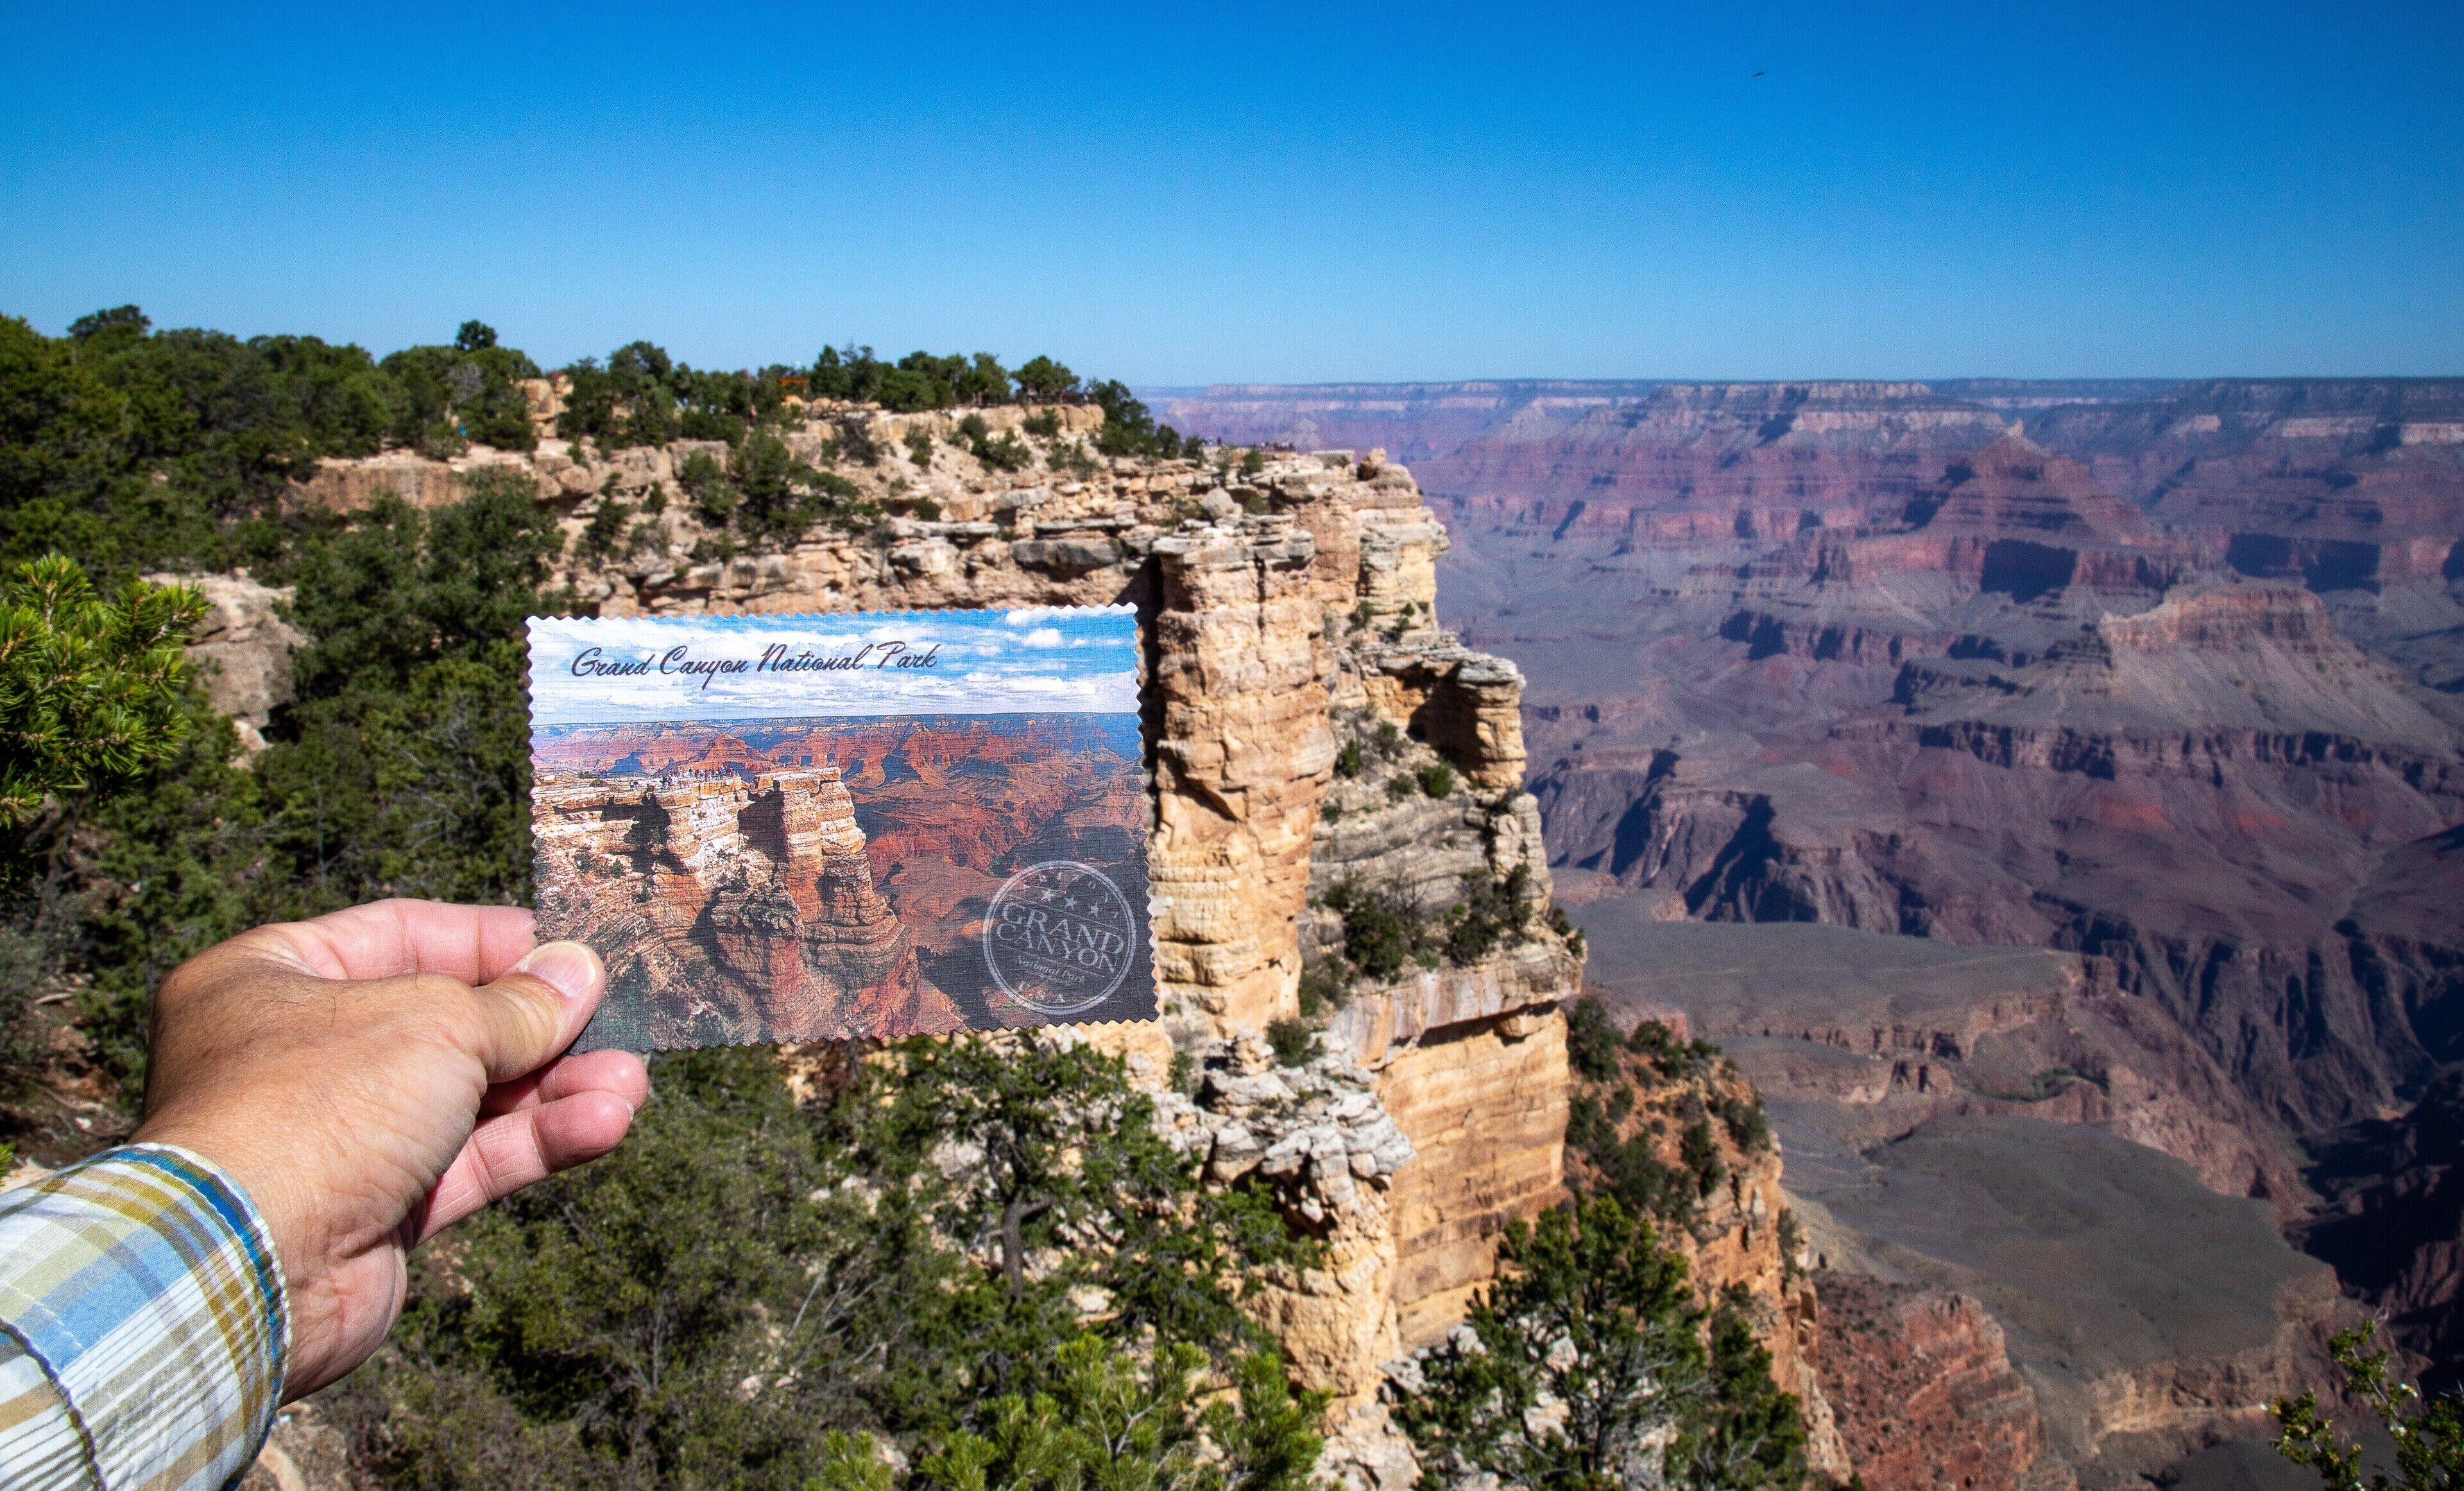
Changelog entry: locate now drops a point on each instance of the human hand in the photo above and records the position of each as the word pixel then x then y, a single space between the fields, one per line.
pixel 372 1077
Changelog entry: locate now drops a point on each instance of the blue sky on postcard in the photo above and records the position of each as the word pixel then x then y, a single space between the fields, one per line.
pixel 1036 660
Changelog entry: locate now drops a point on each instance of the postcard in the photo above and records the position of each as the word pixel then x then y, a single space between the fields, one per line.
pixel 824 827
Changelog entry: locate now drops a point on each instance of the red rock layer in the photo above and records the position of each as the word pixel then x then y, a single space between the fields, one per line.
pixel 1922 1389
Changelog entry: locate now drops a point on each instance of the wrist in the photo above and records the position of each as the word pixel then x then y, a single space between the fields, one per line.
pixel 150 1241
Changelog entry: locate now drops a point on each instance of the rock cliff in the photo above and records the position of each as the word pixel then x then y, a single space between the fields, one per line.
pixel 1289 612
pixel 1923 1388
pixel 1953 1120
pixel 1673 1130
pixel 242 649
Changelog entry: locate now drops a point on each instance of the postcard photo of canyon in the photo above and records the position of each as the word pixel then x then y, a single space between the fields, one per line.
pixel 797 875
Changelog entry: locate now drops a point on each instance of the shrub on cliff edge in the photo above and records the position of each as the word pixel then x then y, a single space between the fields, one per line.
pixel 1597 1369
pixel 2429 1433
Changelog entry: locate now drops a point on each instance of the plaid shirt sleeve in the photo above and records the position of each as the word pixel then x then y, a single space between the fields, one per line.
pixel 143 1326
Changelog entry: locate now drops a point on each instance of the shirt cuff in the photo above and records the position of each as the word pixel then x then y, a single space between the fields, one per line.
pixel 143 1326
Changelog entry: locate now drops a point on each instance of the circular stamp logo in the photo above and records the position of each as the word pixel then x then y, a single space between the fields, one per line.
pixel 1059 937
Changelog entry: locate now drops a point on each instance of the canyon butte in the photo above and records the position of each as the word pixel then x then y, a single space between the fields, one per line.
pixel 2050 794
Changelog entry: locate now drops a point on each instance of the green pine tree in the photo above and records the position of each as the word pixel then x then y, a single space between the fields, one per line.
pixel 94 694
pixel 1109 1420
pixel 91 689
pixel 981 1253
pixel 2429 1432
pixel 1592 1373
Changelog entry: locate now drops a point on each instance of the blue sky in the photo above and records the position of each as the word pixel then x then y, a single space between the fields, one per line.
pixel 1033 660
pixel 1267 193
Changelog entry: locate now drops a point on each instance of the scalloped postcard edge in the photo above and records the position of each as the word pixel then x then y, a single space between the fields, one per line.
pixel 1147 808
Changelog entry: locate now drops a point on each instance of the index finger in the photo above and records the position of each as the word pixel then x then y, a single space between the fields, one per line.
pixel 384 939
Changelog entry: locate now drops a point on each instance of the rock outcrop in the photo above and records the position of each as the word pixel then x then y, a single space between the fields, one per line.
pixel 1289 610
pixel 2161 676
pixel 242 649
pixel 1922 1389
pixel 2196 790
pixel 1319 1134
pixel 1675 1131
pixel 1871 1035
pixel 1953 1120
pixel 2133 1356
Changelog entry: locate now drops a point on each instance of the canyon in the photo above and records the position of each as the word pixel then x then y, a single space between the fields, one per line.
pixel 2132 822
pixel 727 909
pixel 2143 702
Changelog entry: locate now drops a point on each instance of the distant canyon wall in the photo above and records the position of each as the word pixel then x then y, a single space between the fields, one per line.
pixel 2173 674
pixel 2335 482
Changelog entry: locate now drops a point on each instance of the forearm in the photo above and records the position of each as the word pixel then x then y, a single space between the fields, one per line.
pixel 143 1326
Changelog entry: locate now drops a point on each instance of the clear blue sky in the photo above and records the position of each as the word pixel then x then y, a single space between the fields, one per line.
pixel 1184 195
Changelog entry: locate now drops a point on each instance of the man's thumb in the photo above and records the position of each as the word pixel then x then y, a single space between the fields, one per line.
pixel 536 1010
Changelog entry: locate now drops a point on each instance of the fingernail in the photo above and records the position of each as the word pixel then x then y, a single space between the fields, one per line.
pixel 569 967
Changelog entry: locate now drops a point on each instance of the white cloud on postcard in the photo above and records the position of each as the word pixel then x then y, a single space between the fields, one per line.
pixel 642 668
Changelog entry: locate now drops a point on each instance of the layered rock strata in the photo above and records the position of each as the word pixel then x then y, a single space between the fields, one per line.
pixel 2166 675
pixel 1677 1131
pixel 1319 1134
pixel 754 896
pixel 1923 1389
pixel 2135 1355
pixel 2339 484
pixel 2169 680
pixel 1953 1120
pixel 1413 420
pixel 1880 1033
pixel 2197 791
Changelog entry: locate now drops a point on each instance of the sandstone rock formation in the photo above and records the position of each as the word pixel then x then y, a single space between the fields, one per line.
pixel 2150 686
pixel 1713 1187
pixel 1318 1133
pixel 2136 1352
pixel 1916 1087
pixel 1287 612
pixel 1869 1035
pixel 242 649
pixel 1924 1390
pixel 950 806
